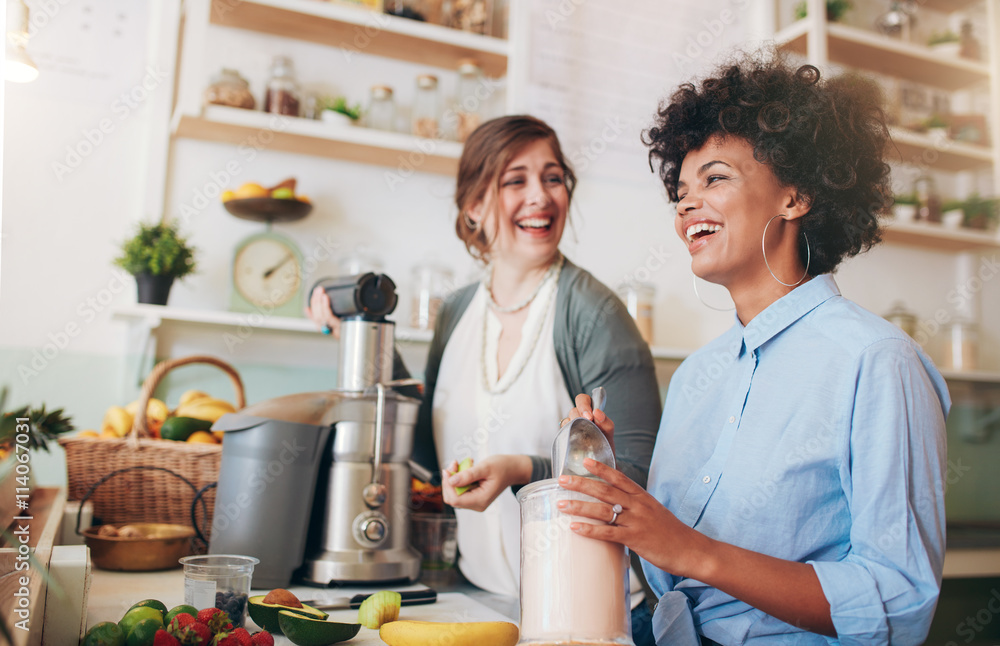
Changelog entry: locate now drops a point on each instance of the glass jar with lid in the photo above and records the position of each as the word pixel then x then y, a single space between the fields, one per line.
pixel 468 104
pixel 282 96
pixel 902 317
pixel 230 89
pixel 426 107
pixel 381 109
pixel 431 285
pixel 639 298
pixel 961 346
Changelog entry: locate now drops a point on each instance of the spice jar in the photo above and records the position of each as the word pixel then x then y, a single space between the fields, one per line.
pixel 638 298
pixel 468 105
pixel 425 107
pixel 282 96
pixel 230 89
pixel 381 109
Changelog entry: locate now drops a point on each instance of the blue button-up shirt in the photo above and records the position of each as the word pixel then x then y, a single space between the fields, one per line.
pixel 814 434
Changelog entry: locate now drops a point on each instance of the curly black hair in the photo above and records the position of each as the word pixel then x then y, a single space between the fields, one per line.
pixel 824 138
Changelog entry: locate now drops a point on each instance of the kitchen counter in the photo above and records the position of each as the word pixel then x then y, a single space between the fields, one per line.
pixel 112 593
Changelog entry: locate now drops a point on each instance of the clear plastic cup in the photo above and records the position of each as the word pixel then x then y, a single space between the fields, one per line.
pixel 433 535
pixel 219 581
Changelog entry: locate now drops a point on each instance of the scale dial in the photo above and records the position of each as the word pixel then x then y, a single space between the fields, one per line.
pixel 267 271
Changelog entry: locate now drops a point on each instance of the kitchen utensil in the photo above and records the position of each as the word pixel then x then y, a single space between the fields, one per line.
pixel 158 548
pixel 581 438
pixel 326 475
pixel 574 589
pixel 407 598
pixel 219 581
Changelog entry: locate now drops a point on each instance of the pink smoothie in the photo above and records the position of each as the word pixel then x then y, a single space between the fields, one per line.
pixel 572 587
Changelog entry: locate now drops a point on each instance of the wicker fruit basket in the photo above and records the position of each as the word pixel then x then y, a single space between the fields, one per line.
pixel 147 495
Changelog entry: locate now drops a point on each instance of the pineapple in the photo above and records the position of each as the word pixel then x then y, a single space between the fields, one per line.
pixel 44 426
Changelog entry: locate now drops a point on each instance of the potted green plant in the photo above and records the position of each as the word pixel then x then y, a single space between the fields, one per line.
pixel 936 126
pixel 156 255
pixel 904 207
pixel 336 110
pixel 946 42
pixel 980 212
pixel 835 9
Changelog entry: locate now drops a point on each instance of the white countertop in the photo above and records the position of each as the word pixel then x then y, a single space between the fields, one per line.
pixel 112 593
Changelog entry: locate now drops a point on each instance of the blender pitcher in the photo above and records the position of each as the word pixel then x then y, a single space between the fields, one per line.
pixel 574 589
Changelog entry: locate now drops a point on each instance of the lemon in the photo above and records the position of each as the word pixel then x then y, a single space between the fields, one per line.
pixel 201 437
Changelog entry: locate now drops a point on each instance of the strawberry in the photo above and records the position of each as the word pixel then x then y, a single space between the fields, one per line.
pixel 203 636
pixel 242 636
pixel 179 624
pixel 262 638
pixel 225 639
pixel 191 633
pixel 163 638
pixel 216 620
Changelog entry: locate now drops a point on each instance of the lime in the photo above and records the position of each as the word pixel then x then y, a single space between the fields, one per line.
pixel 106 633
pixel 304 631
pixel 179 610
pixel 152 603
pixel 135 615
pixel 143 632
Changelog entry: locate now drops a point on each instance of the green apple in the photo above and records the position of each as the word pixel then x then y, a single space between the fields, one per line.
pixel 283 193
pixel 462 466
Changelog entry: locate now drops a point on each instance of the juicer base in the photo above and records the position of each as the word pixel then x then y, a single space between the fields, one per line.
pixel 361 567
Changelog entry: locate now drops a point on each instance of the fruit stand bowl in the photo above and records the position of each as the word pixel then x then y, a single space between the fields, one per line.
pixel 268 209
pixel 156 546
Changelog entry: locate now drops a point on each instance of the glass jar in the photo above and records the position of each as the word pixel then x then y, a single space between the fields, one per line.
pixel 468 15
pixel 425 107
pixel 928 200
pixel 468 104
pixel 381 109
pixel 639 298
pixel 961 347
pixel 431 284
pixel 902 317
pixel 230 89
pixel 412 9
pixel 574 589
pixel 282 96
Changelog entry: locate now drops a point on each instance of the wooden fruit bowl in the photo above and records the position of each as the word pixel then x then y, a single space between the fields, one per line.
pixel 268 209
pixel 159 548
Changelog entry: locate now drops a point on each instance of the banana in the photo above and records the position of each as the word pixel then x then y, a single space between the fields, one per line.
pixel 207 408
pixel 117 420
pixel 156 410
pixel 191 395
pixel 433 633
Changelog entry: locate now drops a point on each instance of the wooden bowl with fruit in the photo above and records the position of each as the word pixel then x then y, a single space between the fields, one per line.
pixel 278 203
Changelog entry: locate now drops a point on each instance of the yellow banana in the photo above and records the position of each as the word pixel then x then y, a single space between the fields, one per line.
pixel 117 420
pixel 155 409
pixel 191 395
pixel 434 633
pixel 207 408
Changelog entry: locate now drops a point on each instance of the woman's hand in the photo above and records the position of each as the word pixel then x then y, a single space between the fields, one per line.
pixel 488 479
pixel 643 525
pixel 318 310
pixel 585 408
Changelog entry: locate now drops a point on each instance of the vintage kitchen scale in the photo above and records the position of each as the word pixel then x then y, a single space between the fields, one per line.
pixel 316 485
pixel 267 266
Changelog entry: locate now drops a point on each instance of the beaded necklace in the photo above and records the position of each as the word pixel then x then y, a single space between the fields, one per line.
pixel 554 270
pixel 488 283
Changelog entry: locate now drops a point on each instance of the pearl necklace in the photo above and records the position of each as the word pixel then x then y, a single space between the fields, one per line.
pixel 488 283
pixel 554 270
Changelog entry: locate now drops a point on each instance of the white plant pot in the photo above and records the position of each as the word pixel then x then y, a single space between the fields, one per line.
pixel 904 212
pixel 952 219
pixel 947 49
pixel 336 118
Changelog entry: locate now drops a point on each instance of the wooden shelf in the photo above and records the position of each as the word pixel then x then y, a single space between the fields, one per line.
pixel 948 6
pixel 363 31
pixel 978 376
pixel 938 238
pixel 939 154
pixel 155 314
pixel 867 50
pixel 311 137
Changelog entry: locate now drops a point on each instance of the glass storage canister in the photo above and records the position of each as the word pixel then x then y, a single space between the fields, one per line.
pixel 902 317
pixel 468 15
pixel 282 96
pixel 574 589
pixel 425 107
pixel 961 346
pixel 381 109
pixel 468 104
pixel 230 89
pixel 638 298
pixel 431 284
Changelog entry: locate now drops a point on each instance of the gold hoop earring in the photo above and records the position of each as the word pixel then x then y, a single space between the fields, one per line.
pixel 763 251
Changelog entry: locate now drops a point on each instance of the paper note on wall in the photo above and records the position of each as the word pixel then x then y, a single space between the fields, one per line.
pixel 599 69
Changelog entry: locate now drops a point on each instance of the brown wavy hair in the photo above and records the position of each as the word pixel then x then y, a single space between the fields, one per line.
pixel 486 154
pixel 825 138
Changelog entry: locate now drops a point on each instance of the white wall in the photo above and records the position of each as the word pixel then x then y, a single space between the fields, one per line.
pixel 57 284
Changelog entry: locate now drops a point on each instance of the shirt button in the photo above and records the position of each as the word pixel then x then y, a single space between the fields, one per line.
pixel 706 479
pixel 732 418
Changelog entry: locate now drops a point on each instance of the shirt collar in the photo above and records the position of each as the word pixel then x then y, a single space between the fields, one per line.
pixel 782 313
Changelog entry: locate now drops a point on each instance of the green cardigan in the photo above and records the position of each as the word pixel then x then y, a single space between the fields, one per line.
pixel 597 344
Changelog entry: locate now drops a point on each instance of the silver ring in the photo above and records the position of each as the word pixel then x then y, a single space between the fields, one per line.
pixel 615 510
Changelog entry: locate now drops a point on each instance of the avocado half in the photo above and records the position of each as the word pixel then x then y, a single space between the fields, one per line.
pixel 265 615
pixel 306 631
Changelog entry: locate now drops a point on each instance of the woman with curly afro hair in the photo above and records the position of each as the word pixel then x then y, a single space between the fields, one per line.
pixel 796 492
